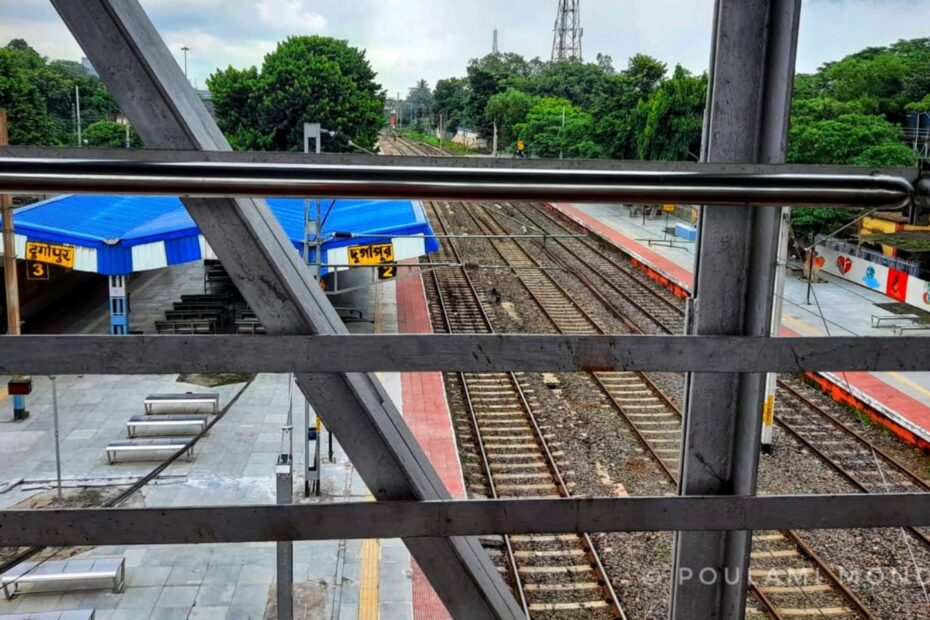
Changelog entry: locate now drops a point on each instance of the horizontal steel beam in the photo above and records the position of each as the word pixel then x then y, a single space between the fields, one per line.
pixel 231 524
pixel 62 355
pixel 909 173
pixel 214 179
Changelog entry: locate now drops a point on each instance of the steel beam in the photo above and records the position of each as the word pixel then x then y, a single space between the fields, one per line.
pixel 751 73
pixel 215 179
pixel 152 91
pixel 409 520
pixel 128 355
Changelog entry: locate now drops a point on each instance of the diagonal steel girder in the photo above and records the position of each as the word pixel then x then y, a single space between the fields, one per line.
pixel 151 90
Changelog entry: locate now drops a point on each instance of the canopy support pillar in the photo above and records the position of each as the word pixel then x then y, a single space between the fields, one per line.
pixel 119 305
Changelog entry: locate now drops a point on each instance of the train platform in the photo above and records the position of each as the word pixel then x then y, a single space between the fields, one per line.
pixel 234 463
pixel 899 400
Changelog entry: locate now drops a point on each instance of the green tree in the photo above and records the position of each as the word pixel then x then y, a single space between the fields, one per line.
pixel 420 100
pixel 670 121
pixel 306 79
pixel 486 77
pixel 110 134
pixel 450 98
pixel 236 95
pixel 555 127
pixel 42 110
pixel 29 122
pixel 580 83
pixel 509 109
pixel 859 139
pixel 614 109
pixel 853 139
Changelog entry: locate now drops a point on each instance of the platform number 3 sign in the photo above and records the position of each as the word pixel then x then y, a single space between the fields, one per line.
pixel 36 271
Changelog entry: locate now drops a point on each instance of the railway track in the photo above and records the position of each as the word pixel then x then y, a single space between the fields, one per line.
pixel 854 457
pixel 515 456
pixel 399 145
pixel 779 558
pixel 790 579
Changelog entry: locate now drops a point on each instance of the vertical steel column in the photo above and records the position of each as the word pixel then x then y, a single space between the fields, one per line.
pixel 751 76
pixel 151 90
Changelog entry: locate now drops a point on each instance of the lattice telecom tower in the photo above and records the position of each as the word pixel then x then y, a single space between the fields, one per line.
pixel 566 44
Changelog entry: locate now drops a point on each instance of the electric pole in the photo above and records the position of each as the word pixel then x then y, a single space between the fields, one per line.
pixel 77 109
pixel 9 246
pixel 185 49
pixel 566 44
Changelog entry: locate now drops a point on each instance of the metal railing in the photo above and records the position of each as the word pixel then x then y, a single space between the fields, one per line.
pixel 215 179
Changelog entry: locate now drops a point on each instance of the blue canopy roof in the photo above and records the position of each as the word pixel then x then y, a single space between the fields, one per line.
pixel 116 228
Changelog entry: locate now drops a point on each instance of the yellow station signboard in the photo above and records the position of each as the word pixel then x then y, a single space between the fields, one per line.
pixel 374 254
pixel 51 253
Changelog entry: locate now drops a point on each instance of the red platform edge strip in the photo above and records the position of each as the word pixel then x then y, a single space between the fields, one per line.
pixel 427 414
pixel 880 402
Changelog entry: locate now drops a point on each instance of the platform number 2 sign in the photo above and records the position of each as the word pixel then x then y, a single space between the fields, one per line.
pixel 36 271
pixel 386 272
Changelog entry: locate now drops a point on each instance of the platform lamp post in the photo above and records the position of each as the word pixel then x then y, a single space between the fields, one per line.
pixel 185 49
pixel 284 495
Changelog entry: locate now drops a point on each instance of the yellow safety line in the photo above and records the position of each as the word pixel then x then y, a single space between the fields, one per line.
pixel 801 325
pixel 896 375
pixel 906 381
pixel 369 607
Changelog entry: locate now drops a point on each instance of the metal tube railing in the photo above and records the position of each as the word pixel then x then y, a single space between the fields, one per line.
pixel 213 179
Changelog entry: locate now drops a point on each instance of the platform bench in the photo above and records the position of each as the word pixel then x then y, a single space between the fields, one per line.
pixel 64 575
pixel 191 326
pixel 196 421
pixel 71 614
pixel 900 329
pixel 225 298
pixel 188 398
pixel 147 447
pixel 892 320
pixel 249 327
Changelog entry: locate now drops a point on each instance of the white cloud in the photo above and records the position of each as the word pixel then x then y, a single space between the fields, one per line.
pixel 290 15
pixel 431 39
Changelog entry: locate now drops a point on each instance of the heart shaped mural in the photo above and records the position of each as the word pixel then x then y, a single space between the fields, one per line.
pixel 844 264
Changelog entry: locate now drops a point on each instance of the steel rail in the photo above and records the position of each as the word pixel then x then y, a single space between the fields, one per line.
pixel 587 543
pixel 805 549
pixel 213 179
pixel 473 419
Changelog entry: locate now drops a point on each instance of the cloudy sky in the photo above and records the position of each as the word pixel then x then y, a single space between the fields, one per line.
pixel 431 39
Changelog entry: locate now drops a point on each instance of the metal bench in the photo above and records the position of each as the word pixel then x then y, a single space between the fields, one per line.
pixel 71 614
pixel 193 315
pixel 166 422
pixel 893 319
pixel 249 327
pixel 63 575
pixel 219 306
pixel 198 297
pixel 188 398
pixel 187 326
pixel 147 448
pixel 900 329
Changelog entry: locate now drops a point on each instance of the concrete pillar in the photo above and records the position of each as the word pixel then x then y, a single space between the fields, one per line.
pixel 119 305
